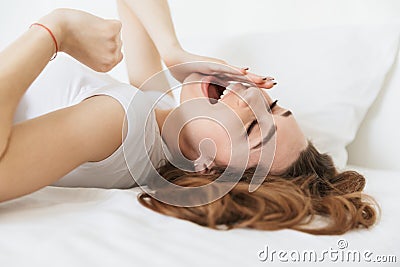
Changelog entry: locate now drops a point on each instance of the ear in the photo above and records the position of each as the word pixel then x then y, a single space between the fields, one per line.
pixel 201 167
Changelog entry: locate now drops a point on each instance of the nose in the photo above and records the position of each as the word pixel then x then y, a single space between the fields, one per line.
pixel 239 87
pixel 263 92
pixel 236 87
pixel 267 97
pixel 251 95
pixel 257 97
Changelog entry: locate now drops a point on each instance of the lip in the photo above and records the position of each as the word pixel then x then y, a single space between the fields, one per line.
pixel 205 84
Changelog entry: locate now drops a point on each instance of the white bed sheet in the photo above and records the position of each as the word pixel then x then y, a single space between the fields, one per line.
pixel 99 227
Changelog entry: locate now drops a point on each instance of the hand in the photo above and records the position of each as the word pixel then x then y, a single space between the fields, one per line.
pixel 181 59
pixel 94 41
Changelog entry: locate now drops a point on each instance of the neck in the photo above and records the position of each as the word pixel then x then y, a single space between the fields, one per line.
pixel 169 136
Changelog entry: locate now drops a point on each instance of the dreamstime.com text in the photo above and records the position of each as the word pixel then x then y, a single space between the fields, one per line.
pixel 339 254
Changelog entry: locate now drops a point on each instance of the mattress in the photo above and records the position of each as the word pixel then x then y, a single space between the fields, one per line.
pixel 102 227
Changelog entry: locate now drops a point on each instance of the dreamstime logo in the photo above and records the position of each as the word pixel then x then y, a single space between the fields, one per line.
pixel 339 254
pixel 206 120
pixel 342 244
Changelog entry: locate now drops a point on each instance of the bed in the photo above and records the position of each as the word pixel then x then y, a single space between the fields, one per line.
pixel 352 81
pixel 99 227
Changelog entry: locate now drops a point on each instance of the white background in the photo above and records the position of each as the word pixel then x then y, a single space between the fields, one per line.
pixel 222 17
pixel 218 16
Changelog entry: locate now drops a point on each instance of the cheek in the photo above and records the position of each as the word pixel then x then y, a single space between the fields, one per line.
pixel 206 129
pixel 188 92
pixel 200 129
pixel 192 87
pixel 281 159
pixel 224 148
pixel 226 144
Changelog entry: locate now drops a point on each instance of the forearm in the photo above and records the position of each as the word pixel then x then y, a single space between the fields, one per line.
pixel 141 56
pixel 91 40
pixel 20 64
pixel 156 19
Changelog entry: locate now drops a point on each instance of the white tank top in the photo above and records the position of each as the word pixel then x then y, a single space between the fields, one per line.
pixel 66 82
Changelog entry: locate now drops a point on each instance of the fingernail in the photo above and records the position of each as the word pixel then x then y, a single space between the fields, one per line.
pixel 246 68
pixel 275 83
pixel 265 78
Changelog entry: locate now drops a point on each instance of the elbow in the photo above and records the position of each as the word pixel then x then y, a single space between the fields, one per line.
pixel 6 191
pixel 3 148
pixel 4 141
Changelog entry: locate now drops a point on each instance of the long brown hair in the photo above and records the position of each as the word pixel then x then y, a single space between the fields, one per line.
pixel 310 196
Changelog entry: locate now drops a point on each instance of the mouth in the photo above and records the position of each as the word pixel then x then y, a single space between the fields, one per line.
pixel 213 90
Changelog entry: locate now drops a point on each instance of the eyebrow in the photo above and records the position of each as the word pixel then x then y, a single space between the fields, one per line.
pixel 287 113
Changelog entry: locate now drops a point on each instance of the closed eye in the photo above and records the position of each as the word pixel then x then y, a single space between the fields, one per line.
pixel 253 123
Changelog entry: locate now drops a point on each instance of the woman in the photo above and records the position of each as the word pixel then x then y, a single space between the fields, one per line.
pixel 75 139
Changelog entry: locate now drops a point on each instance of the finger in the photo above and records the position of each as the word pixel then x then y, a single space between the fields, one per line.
pixel 119 43
pixel 220 68
pixel 116 25
pixel 258 78
pixel 237 78
pixel 262 82
pixel 120 57
pixel 250 77
pixel 267 84
pixel 238 86
pixel 217 80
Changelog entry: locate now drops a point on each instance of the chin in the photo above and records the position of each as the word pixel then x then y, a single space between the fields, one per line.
pixel 191 87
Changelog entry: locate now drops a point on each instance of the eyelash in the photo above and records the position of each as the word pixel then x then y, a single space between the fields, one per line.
pixel 253 123
pixel 273 104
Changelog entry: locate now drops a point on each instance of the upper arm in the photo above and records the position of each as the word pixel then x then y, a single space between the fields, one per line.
pixel 44 149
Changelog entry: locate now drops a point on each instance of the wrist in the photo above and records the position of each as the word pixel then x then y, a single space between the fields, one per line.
pixel 55 22
pixel 171 54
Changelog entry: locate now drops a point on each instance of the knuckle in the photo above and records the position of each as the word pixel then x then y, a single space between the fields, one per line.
pixel 112 46
pixel 115 25
pixel 100 68
pixel 105 66
pixel 112 30
pixel 119 57
pixel 118 24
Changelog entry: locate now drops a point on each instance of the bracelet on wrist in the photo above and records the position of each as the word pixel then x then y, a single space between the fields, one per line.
pixel 51 34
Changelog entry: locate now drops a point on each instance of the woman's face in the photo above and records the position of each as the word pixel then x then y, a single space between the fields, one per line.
pixel 255 128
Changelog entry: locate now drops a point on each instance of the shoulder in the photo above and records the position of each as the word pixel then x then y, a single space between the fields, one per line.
pixel 99 120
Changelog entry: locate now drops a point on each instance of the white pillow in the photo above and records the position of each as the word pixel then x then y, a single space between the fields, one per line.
pixel 328 77
pixel 377 143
